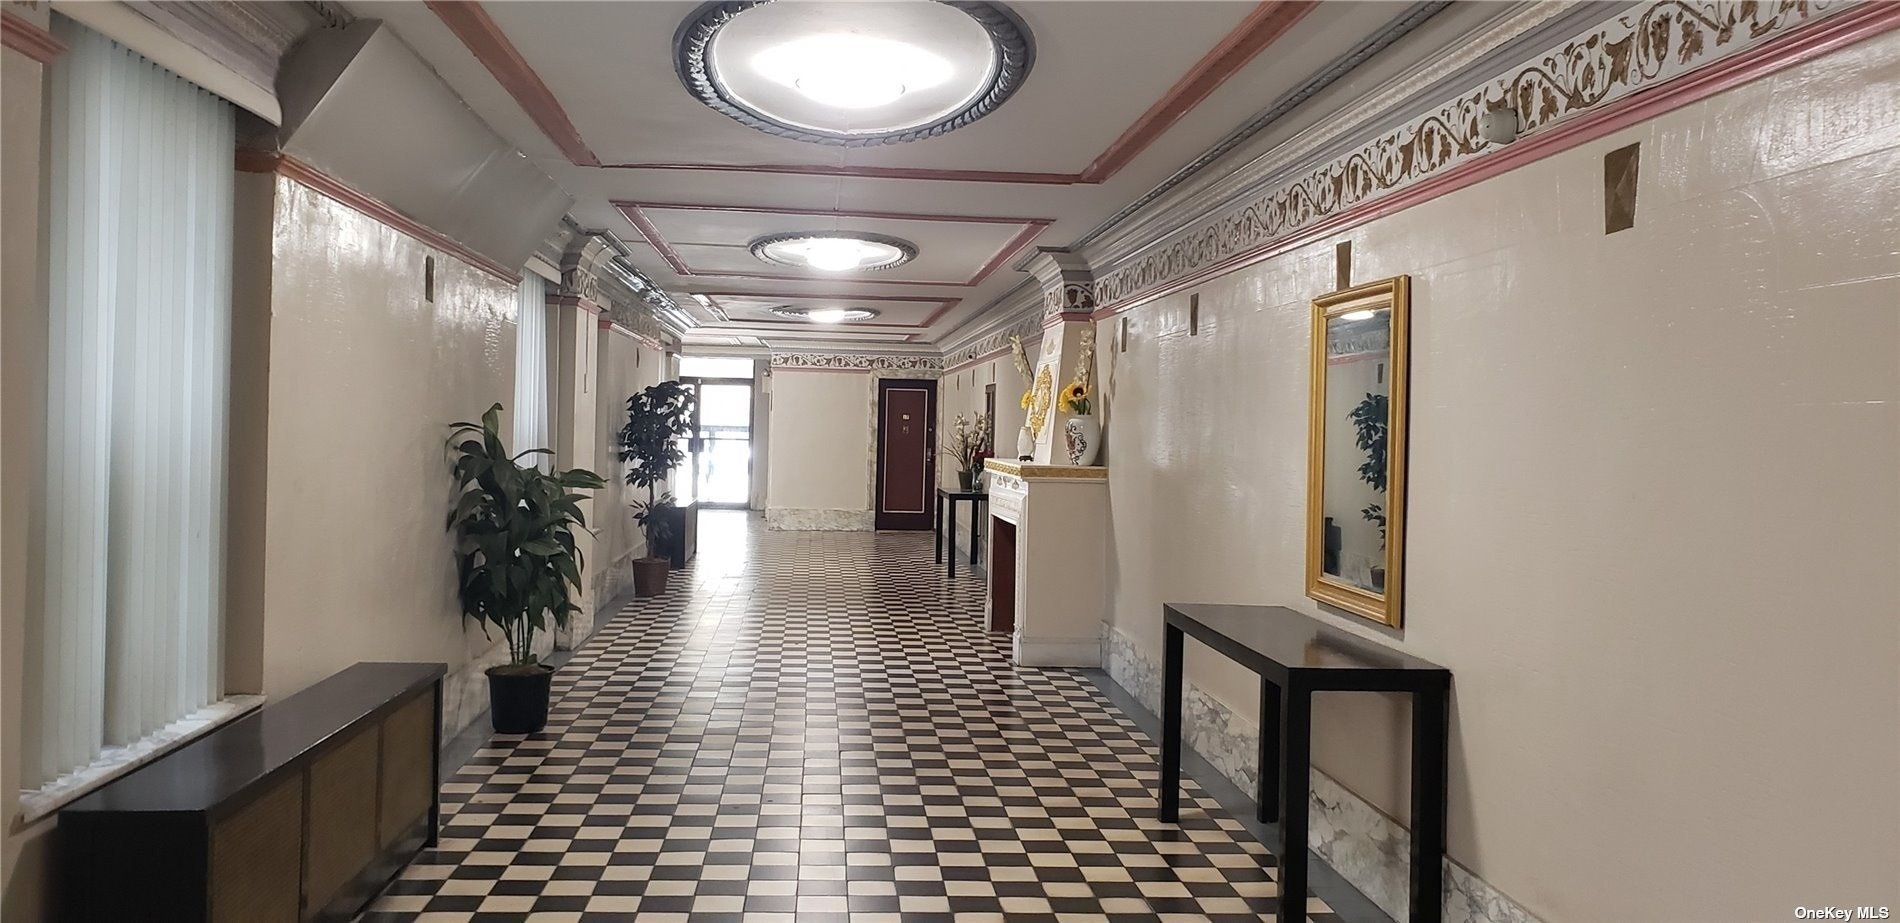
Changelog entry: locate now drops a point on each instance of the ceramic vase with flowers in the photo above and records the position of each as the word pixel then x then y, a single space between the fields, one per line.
pixel 1082 433
pixel 968 445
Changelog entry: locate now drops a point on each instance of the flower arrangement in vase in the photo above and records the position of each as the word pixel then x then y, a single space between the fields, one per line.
pixel 968 445
pixel 1082 434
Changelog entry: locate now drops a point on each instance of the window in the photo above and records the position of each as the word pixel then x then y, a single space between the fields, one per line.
pixel 714 367
pixel 125 635
pixel 531 368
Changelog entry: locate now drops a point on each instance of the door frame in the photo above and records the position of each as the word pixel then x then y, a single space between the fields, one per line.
pixel 696 382
pixel 927 518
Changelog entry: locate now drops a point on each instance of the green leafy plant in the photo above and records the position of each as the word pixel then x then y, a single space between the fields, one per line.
pixel 516 556
pixel 653 520
pixel 1369 420
pixel 657 419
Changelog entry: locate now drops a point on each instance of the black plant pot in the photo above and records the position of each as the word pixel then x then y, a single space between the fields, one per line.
pixel 518 697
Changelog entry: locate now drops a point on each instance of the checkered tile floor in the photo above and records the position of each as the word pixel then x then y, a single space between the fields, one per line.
pixel 815 727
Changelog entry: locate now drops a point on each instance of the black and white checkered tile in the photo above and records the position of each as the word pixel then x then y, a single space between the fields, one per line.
pixel 816 727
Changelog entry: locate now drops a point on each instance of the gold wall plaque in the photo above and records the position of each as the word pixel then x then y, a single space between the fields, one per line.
pixel 1039 401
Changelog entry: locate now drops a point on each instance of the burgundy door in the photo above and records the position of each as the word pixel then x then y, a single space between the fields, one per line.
pixel 906 453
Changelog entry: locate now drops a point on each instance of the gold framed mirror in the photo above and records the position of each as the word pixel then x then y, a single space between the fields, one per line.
pixel 1355 479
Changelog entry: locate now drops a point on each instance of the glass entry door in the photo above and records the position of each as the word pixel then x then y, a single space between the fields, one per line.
pixel 719 454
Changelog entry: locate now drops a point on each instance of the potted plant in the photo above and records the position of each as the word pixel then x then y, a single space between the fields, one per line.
pixel 968 445
pixel 516 559
pixel 656 519
pixel 1369 419
pixel 657 419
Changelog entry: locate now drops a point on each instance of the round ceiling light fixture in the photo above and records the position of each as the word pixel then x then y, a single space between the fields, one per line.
pixel 851 73
pixel 834 251
pixel 826 315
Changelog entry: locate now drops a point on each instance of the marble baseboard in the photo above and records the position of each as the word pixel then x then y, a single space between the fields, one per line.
pixel 784 519
pixel 1057 652
pixel 610 583
pixel 1367 848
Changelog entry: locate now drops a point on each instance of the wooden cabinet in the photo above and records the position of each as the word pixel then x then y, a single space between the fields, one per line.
pixel 299 811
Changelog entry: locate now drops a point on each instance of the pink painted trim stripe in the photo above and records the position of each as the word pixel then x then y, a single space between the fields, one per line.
pixel 28 39
pixel 1798 47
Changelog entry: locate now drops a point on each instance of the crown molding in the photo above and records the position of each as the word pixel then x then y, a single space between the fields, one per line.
pixel 922 365
pixel 1650 47
pixel 1498 42
pixel 1018 312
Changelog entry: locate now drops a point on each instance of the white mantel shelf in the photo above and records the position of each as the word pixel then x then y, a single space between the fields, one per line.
pixel 1033 472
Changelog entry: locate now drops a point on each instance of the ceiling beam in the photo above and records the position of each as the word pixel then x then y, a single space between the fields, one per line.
pixel 485 40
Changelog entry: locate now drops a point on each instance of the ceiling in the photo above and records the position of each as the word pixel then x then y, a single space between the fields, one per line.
pixel 1121 96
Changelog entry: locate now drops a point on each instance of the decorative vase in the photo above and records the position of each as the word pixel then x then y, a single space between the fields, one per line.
pixel 518 697
pixel 1025 444
pixel 966 480
pixel 1082 437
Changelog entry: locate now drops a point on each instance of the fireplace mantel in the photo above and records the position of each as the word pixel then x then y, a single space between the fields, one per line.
pixel 1058 515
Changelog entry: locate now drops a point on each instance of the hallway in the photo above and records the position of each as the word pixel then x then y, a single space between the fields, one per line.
pixel 817 726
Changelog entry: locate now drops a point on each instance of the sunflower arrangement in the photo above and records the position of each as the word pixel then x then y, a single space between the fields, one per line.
pixel 1078 394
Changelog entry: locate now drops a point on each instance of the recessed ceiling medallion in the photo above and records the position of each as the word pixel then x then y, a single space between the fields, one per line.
pixel 826 315
pixel 852 73
pixel 834 251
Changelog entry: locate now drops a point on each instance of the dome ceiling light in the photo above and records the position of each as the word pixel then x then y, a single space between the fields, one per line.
pixel 826 315
pixel 851 73
pixel 834 251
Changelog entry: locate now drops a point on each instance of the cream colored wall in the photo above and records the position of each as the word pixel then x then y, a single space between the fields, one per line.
pixel 577 406
pixel 626 367
pixel 960 393
pixel 820 440
pixel 22 400
pixel 1654 518
pixel 365 378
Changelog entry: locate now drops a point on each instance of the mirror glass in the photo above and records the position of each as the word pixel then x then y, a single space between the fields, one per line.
pixel 1358 417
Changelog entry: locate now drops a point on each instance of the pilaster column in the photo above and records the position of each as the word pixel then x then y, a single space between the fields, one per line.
pixel 1068 299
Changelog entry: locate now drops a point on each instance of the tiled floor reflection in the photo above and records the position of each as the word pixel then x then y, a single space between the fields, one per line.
pixel 814 727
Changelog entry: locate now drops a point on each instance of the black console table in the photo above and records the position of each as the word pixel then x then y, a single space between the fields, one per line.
pixel 947 501
pixel 1297 655
pixel 299 811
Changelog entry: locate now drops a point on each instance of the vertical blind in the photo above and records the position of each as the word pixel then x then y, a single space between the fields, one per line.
pixel 127 638
pixel 531 367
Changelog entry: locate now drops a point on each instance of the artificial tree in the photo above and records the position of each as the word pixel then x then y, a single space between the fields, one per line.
pixel 657 419
pixel 516 558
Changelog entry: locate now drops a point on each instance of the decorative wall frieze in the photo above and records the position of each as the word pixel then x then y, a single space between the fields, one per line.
pixel 595 273
pixel 583 264
pixel 1411 18
pixel 1632 51
pixel 1025 328
pixel 1068 287
pixel 1018 312
pixel 1510 36
pixel 915 365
